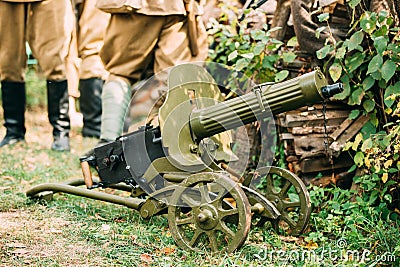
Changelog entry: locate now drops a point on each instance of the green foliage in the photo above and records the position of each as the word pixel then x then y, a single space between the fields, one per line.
pixel 367 59
pixel 36 95
pixel 367 62
pixel 354 217
pixel 250 51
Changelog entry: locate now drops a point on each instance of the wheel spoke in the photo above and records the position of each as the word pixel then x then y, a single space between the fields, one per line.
pixel 287 204
pixel 229 212
pixel 285 217
pixel 270 185
pixel 205 195
pixel 188 200
pixel 213 240
pixel 196 236
pixel 224 228
pixel 221 194
pixel 285 188
pixel 185 220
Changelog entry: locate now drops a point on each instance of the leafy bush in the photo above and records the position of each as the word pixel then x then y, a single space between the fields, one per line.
pixel 250 51
pixel 367 62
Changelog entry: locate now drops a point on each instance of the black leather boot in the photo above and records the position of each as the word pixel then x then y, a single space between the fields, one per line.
pixel 58 112
pixel 90 106
pixel 13 97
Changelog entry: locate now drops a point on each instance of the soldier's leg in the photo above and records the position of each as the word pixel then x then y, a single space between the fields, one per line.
pixel 72 63
pixel 90 105
pixel 12 70
pixel 92 25
pixel 49 33
pixel 115 100
pixel 128 47
pixel 13 100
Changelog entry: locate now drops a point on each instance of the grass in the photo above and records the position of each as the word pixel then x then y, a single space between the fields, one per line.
pixel 75 231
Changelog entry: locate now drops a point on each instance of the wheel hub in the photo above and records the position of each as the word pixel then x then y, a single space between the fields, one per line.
pixel 207 217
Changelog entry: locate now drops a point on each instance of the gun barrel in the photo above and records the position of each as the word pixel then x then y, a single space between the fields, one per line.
pixel 307 89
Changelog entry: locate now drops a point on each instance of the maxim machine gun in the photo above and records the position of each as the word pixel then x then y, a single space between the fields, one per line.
pixel 181 167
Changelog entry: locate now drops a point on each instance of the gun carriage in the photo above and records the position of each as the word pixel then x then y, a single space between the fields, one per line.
pixel 179 168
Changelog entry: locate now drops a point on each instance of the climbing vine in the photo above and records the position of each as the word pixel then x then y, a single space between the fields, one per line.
pixel 367 62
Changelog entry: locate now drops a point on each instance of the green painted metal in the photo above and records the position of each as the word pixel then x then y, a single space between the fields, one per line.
pixel 195 122
pixel 281 186
pixel 35 192
pixel 280 97
pixel 190 87
pixel 200 217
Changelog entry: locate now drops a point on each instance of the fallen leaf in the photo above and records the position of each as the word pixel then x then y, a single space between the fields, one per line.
pixel 120 220
pixel 98 217
pixel 146 257
pixel 168 251
pixel 311 245
pixel 168 234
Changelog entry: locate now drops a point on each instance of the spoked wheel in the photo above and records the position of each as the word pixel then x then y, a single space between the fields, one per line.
pixel 289 195
pixel 262 208
pixel 208 211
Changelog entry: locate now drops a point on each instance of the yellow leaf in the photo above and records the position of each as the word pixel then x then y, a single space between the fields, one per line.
pixel 367 162
pixel 388 163
pixel 384 177
pixel 311 245
pixel 388 111
pixel 357 141
pixel 347 146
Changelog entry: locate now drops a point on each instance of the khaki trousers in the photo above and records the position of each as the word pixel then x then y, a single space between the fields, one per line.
pixel 133 40
pixel 84 61
pixel 92 25
pixel 47 27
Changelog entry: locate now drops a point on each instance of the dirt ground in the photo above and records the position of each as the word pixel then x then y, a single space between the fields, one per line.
pixel 34 235
pixel 27 239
